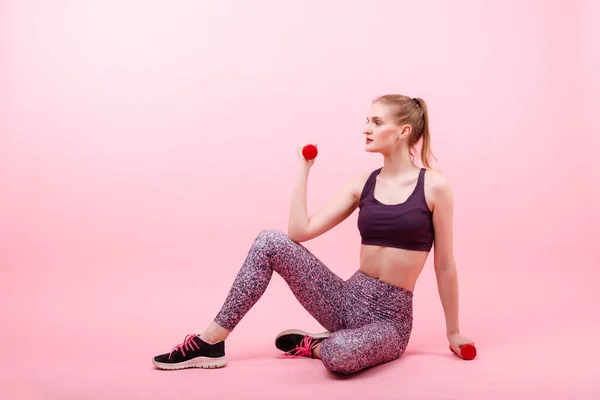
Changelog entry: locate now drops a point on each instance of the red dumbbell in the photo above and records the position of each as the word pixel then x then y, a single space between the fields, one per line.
pixel 310 151
pixel 467 351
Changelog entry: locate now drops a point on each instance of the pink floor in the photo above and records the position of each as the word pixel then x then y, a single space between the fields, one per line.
pixel 546 368
pixel 93 350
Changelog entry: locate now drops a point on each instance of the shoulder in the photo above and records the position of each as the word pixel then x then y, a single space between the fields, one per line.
pixel 438 188
pixel 437 180
pixel 357 182
pixel 359 179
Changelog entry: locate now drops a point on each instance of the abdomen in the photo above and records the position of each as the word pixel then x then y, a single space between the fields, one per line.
pixel 398 267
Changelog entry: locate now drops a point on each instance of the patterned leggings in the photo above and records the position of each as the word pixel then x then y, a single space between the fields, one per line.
pixel 370 320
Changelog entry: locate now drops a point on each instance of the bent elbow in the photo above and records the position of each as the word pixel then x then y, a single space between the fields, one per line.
pixel 296 235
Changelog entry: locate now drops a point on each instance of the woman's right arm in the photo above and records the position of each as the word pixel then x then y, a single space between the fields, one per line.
pixel 340 206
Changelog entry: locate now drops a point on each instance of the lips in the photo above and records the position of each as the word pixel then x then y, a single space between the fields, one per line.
pixel 369 140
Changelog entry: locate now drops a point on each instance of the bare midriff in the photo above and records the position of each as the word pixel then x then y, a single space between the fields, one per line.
pixel 398 267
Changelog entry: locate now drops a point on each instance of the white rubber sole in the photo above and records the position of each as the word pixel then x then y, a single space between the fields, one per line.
pixel 321 335
pixel 198 362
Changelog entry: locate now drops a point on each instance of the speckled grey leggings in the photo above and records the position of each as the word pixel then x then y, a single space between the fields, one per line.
pixel 370 320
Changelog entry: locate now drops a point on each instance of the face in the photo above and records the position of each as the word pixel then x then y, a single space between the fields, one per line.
pixel 382 134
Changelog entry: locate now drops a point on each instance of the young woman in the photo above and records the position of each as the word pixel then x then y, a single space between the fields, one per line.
pixel 402 209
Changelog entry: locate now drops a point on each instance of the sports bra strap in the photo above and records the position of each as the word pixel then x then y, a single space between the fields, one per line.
pixel 369 184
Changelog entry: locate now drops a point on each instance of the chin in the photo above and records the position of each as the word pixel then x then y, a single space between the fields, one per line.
pixel 371 149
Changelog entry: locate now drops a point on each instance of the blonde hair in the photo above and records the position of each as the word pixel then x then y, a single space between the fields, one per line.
pixel 412 111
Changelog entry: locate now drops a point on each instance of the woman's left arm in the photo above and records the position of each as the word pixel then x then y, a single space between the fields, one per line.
pixel 444 263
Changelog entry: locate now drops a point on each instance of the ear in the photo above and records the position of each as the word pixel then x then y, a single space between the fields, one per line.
pixel 405 132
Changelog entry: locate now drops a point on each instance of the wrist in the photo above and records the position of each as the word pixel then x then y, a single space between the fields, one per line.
pixel 304 167
pixel 452 332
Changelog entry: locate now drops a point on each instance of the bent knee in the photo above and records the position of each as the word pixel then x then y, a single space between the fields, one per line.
pixel 340 368
pixel 340 365
pixel 339 360
pixel 272 235
pixel 348 354
pixel 272 239
pixel 346 363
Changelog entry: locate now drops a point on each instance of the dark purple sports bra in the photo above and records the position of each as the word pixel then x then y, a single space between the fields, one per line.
pixel 407 225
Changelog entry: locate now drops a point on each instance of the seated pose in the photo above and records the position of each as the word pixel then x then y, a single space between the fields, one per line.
pixel 368 318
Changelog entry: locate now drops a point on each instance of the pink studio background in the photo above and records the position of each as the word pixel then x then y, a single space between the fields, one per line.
pixel 143 146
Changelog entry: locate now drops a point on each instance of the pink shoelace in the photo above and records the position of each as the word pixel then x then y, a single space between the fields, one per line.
pixel 304 349
pixel 187 344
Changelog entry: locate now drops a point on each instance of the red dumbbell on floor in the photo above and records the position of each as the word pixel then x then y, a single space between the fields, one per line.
pixel 467 352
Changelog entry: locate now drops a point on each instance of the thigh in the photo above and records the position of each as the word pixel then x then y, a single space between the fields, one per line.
pixel 351 350
pixel 316 287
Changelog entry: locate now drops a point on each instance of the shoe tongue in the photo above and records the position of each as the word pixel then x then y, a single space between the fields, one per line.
pixel 196 339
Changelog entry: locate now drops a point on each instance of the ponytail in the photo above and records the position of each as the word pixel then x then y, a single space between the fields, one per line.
pixel 426 152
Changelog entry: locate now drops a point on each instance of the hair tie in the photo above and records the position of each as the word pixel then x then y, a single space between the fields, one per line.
pixel 416 101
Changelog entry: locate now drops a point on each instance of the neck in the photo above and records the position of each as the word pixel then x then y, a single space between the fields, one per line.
pixel 397 163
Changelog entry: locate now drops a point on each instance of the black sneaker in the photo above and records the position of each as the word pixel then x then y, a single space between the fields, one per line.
pixel 297 343
pixel 193 353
